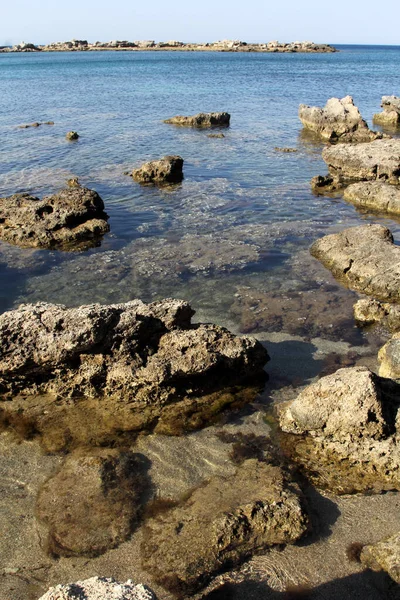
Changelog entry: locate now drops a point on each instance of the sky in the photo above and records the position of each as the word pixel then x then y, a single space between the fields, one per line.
pixel 337 21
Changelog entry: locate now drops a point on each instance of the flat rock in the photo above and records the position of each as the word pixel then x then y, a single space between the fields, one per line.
pixel 364 258
pixel 165 170
pixel 391 112
pixel 220 525
pixel 348 423
pixel 374 195
pixel 99 588
pixel 202 120
pixel 368 311
pixel 74 218
pixel 338 121
pixel 383 556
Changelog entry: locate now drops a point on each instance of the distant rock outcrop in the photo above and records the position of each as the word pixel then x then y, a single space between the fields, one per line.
pixel 202 120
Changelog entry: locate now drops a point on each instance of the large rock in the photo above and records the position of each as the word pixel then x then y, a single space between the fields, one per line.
pixel 91 504
pixel 391 112
pixel 124 367
pixel 389 357
pixel 384 556
pixel 374 195
pixel 368 311
pixel 348 426
pixel 338 121
pixel 165 170
pixel 202 120
pixel 364 258
pixel 220 525
pixel 73 218
pixel 99 588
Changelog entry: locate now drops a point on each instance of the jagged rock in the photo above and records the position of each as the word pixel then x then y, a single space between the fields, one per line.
pixel 348 423
pixel 74 217
pixel 375 195
pixel 364 258
pixel 201 120
pixel 91 504
pixel 72 136
pixel 379 159
pixel 220 525
pixel 369 310
pixel 389 357
pixel 325 185
pixel 99 588
pixel 391 112
pixel 338 121
pixel 383 556
pixel 165 170
pixel 117 369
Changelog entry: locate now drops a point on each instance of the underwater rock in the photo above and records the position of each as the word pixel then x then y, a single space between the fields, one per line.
pixel 215 119
pixel 36 124
pixel 91 504
pixel 369 310
pixel 99 588
pixel 73 218
pixel 383 556
pixel 165 170
pixel 348 423
pixel 338 121
pixel 374 195
pixel 72 136
pixel 220 525
pixel 364 258
pixel 391 112
pixel 389 357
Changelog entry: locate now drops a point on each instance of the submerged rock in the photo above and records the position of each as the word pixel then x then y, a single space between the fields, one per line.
pixel 348 423
pixel 216 119
pixel 165 170
pixel 338 121
pixel 364 258
pixel 383 556
pixel 391 112
pixel 220 525
pixel 99 588
pixel 374 195
pixel 369 310
pixel 74 217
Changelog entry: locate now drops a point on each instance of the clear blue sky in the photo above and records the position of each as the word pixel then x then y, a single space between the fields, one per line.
pixel 340 21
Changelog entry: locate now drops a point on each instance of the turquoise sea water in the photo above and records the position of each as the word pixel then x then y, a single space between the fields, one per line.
pixel 167 242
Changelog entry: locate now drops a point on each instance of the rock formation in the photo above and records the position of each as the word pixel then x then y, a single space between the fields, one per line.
pixel 364 258
pixel 338 121
pixel 383 556
pixel 350 431
pixel 374 195
pixel 73 218
pixel 369 310
pixel 202 120
pixel 72 136
pixel 389 357
pixel 165 170
pixel 99 588
pixel 220 525
pixel 390 117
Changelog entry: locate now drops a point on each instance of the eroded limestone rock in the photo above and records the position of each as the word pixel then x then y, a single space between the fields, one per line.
pixel 364 258
pixel 369 310
pixel 389 357
pixel 390 117
pixel 338 121
pixel 383 556
pixel 74 218
pixel 165 170
pixel 374 195
pixel 99 588
pixel 202 120
pixel 220 525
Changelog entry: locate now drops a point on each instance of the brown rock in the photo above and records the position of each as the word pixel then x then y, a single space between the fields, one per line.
pixel 165 170
pixel 389 357
pixel 216 119
pixel 384 556
pixel 390 117
pixel 72 136
pixel 374 195
pixel 369 310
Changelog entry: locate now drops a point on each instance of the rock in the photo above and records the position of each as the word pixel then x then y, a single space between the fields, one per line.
pixel 91 504
pixel 379 159
pixel 74 217
pixel 121 368
pixel 338 121
pixel 220 525
pixel 389 357
pixel 364 258
pixel 277 149
pixel 391 112
pixel 72 135
pixel 99 588
pixel 369 310
pixel 348 421
pixel 201 120
pixel 165 170
pixel 325 185
pixel 383 556
pixel 375 195
pixel 216 135
pixel 36 124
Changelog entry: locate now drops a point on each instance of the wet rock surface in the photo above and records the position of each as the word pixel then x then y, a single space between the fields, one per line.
pixel 99 588
pixel 71 136
pixel 166 170
pixel 338 121
pixel 220 525
pixel 390 117
pixel 369 310
pixel 202 120
pixel 384 555
pixel 73 218
pixel 374 195
pixel 350 427
pixel 364 258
